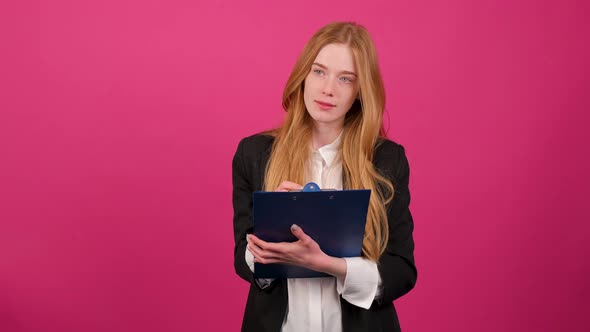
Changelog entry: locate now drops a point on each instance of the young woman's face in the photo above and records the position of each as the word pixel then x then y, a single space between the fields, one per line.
pixel 331 86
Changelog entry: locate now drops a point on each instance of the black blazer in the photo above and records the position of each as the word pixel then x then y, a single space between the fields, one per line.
pixel 266 308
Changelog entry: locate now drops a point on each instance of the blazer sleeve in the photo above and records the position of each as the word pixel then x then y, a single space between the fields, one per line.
pixel 396 265
pixel 242 204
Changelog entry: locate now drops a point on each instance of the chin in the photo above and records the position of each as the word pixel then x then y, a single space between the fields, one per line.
pixel 323 117
pixel 324 120
pixel 318 117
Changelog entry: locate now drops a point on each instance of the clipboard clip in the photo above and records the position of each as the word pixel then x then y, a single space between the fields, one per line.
pixel 310 187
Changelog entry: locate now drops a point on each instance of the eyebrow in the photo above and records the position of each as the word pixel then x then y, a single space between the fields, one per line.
pixel 342 72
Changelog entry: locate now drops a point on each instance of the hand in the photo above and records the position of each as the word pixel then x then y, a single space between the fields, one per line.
pixel 304 252
pixel 288 186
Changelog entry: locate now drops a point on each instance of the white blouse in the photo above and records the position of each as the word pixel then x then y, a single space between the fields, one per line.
pixel 314 303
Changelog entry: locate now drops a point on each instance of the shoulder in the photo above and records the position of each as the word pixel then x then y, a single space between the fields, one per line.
pixel 390 158
pixel 255 144
pixel 388 150
pixel 250 158
pixel 254 147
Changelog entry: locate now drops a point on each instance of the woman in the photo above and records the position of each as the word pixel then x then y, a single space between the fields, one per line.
pixel 332 135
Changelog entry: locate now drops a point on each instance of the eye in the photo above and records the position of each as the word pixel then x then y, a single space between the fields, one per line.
pixel 318 71
pixel 346 79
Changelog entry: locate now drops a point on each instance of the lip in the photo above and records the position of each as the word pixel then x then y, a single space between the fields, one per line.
pixel 324 105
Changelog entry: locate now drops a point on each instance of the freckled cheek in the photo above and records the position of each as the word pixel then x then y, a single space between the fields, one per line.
pixel 308 96
pixel 347 93
pixel 312 85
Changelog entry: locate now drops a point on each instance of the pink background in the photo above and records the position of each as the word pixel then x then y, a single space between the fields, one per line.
pixel 119 119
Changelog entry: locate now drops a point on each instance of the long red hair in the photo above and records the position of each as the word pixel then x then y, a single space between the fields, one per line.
pixel 363 125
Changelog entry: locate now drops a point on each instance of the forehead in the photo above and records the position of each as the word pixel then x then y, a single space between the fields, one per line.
pixel 337 57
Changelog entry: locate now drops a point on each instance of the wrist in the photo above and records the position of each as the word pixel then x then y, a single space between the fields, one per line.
pixel 333 266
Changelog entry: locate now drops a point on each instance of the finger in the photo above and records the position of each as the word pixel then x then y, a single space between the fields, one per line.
pixel 268 260
pixel 254 249
pixel 288 185
pixel 267 257
pixel 262 255
pixel 275 248
pixel 259 251
pixel 298 232
pixel 270 246
pixel 257 241
pixel 251 250
pixel 255 253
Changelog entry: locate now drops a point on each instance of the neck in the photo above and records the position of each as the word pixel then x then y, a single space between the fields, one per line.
pixel 324 134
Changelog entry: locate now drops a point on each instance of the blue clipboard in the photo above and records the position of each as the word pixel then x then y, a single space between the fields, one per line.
pixel 335 219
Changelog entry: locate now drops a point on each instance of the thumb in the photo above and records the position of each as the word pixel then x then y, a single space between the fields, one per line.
pixel 298 232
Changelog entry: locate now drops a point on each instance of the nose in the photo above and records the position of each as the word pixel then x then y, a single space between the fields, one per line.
pixel 328 88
